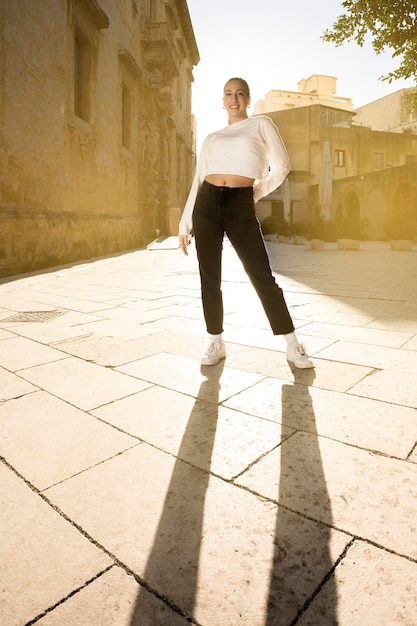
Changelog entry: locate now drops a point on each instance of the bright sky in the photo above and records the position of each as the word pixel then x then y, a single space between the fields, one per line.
pixel 274 44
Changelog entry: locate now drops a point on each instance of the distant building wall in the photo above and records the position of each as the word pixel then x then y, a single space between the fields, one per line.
pixel 396 113
pixel 97 137
pixel 357 155
pixel 317 89
pixel 378 196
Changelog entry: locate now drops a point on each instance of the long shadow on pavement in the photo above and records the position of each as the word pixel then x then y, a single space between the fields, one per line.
pixel 302 558
pixel 175 552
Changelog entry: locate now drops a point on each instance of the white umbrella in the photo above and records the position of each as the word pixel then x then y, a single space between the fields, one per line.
pixel 325 183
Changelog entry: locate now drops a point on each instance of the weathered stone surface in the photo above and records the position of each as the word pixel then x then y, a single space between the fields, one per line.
pixel 11 386
pixel 366 354
pixel 359 492
pixel 181 374
pixel 44 558
pixel 363 422
pixel 218 552
pixel 373 587
pixel 388 386
pixel 112 599
pixel 171 472
pixel 79 179
pixel 19 353
pixel 48 440
pixel 83 384
pixel 327 375
pixel 161 417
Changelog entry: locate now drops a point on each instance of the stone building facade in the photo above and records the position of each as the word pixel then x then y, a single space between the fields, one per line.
pixel 97 137
pixel 374 173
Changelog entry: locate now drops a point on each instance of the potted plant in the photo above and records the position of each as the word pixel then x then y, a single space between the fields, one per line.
pixel 283 230
pixel 401 232
pixel 298 232
pixel 350 232
pixel 269 227
pixel 319 231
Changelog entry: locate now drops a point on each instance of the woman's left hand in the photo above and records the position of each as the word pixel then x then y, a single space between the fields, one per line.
pixel 184 242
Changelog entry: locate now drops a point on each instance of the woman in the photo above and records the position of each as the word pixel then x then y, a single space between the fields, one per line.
pixel 238 165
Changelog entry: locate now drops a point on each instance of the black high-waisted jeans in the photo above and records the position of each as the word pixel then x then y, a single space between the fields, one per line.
pixel 220 210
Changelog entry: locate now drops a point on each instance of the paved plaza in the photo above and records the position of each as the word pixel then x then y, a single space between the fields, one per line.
pixel 138 488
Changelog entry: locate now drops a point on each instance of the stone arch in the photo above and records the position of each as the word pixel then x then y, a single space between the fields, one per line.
pixel 404 201
pixel 352 206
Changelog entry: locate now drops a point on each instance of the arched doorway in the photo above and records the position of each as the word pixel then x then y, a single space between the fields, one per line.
pixel 404 205
pixel 352 206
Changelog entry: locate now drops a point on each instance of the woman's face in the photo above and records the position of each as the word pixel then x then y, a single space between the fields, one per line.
pixel 235 101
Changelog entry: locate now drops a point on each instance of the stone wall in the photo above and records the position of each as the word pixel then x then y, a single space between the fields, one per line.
pixel 97 140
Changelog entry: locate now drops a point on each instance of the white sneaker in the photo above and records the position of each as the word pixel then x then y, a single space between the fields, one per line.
pixel 215 351
pixel 296 354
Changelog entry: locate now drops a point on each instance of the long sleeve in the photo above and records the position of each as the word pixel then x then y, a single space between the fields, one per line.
pixel 279 162
pixel 186 221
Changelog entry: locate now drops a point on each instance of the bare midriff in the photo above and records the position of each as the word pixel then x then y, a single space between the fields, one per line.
pixel 229 180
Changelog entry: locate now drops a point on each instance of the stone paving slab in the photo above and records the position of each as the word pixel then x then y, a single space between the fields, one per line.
pixel 367 495
pixel 181 374
pixel 85 385
pixel 4 334
pixel 43 557
pixel 329 375
pixel 124 330
pixel 362 422
pixel 47 440
pixel 19 352
pixel 366 354
pixel 260 338
pixel 406 324
pixel 408 367
pixel 160 417
pixel 373 587
pixel 374 336
pixel 223 534
pixel 11 386
pixel 112 599
pixel 249 493
pixel 133 316
pixel 411 344
pixel 180 325
pixel 395 387
pixel 109 351
pixel 65 327
pixel 114 351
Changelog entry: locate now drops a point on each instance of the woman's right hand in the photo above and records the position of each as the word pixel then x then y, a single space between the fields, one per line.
pixel 184 242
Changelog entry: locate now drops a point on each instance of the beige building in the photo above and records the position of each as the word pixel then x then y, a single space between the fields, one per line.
pixel 317 89
pixel 373 173
pixel 373 170
pixel 395 113
pixel 97 141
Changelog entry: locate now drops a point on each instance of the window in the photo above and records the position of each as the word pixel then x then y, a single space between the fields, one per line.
pixel 126 117
pixel 82 77
pixel 378 160
pixel 85 21
pixel 132 134
pixel 340 158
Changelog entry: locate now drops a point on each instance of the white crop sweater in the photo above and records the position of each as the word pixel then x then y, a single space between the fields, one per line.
pixel 252 148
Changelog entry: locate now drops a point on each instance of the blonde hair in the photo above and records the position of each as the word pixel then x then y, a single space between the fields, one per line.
pixel 242 82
